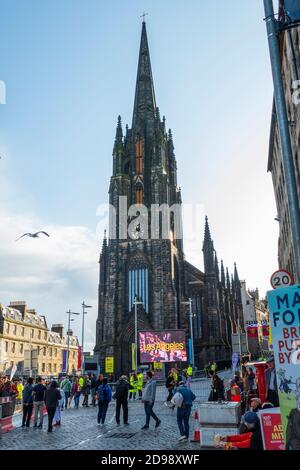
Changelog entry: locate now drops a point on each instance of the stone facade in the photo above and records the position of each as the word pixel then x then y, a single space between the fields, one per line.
pixel 19 327
pixel 136 263
pixel 290 56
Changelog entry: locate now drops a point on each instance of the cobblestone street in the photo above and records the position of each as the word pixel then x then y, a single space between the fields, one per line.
pixel 79 431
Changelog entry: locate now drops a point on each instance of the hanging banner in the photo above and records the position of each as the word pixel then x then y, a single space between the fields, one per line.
pixel 252 329
pixel 133 365
pixel 265 328
pixel 109 365
pixel 79 361
pixel 13 371
pixel 64 360
pixel 271 429
pixel 284 305
pixel 292 9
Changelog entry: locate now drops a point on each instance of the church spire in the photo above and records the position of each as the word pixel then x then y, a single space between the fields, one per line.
pixel 144 102
pixel 208 250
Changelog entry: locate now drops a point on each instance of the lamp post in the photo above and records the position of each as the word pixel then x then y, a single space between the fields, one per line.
pixel 84 306
pixel 69 313
pixel 192 358
pixel 136 303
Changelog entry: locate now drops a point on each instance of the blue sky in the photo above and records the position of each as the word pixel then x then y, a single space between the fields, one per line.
pixel 70 69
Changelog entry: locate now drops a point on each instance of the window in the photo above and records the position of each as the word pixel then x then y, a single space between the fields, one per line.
pixel 248 302
pixel 21 347
pixel 73 354
pixel 6 346
pixel 43 367
pixel 7 328
pixel 22 331
pixel 50 352
pixel 32 334
pixel 54 367
pixel 50 367
pixel 14 329
pixel 45 335
pixel 138 287
pixel 44 352
pixel 39 334
pixel 55 352
pixel 139 156
pixel 13 347
pixel 139 194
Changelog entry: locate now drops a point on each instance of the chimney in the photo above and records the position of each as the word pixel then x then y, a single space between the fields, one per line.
pixel 19 305
pixel 58 328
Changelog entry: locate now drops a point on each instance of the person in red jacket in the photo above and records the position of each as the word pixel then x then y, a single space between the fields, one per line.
pixel 251 439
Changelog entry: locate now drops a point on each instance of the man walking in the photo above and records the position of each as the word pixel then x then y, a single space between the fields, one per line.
pixel 27 403
pixel 38 392
pixel 52 396
pixel 149 400
pixel 104 398
pixel 66 386
pixel 184 411
pixel 121 395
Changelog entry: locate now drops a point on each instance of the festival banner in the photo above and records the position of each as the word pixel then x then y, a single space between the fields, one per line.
pixel 133 349
pixel 64 360
pixel 79 361
pixel 252 329
pixel 265 328
pixel 284 305
pixel 271 429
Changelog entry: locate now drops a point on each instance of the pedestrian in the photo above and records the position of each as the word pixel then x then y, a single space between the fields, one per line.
pixel 76 392
pixel 235 392
pixel 93 389
pixel 104 397
pixel 27 403
pixel 52 396
pixel 66 386
pixel 252 379
pixel 217 388
pixel 170 385
pixel 121 397
pixel 86 391
pixel 184 411
pixel 140 382
pixel 271 382
pixel 149 400
pixel 59 407
pixel 251 439
pixel 38 392
pixel 20 388
pixel 133 386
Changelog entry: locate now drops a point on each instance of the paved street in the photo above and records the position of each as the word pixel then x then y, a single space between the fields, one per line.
pixel 79 429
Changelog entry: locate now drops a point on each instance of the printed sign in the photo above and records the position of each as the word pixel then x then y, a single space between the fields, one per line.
pixel 271 429
pixel 284 305
pixel 281 278
pixel 109 365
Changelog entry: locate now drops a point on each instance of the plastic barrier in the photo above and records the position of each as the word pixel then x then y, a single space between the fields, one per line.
pixel 197 436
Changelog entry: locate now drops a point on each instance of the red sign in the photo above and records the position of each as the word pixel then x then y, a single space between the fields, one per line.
pixel 79 362
pixel 281 278
pixel 271 429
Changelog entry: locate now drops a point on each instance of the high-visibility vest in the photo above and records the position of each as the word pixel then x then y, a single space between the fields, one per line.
pixel 20 388
pixel 189 371
pixel 140 381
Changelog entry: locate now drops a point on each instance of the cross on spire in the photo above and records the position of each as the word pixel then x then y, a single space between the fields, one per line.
pixel 143 16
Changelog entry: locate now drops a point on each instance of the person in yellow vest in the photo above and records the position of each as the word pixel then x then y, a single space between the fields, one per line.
pixel 175 376
pixel 20 388
pixel 140 381
pixel 133 386
pixel 189 371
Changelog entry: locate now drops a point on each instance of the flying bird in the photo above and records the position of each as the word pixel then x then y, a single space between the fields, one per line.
pixel 32 235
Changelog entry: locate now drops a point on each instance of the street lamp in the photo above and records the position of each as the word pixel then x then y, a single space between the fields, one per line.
pixel 192 359
pixel 69 313
pixel 84 306
pixel 136 303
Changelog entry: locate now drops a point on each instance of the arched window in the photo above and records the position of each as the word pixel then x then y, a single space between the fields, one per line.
pixel 139 194
pixel 138 287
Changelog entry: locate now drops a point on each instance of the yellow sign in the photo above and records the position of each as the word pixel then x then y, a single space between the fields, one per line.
pixel 109 365
pixel 133 356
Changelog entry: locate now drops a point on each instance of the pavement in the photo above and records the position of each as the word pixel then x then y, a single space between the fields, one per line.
pixel 79 429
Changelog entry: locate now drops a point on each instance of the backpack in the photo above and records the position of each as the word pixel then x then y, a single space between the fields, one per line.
pixel 177 400
pixel 101 393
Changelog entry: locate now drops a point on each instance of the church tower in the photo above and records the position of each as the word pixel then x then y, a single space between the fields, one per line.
pixel 142 258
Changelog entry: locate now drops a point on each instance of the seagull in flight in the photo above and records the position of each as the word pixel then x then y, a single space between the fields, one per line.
pixel 32 235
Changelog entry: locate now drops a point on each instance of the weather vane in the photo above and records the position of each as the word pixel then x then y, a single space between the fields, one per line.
pixel 143 16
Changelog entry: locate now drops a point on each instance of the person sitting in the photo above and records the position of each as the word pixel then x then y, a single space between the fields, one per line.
pixel 251 439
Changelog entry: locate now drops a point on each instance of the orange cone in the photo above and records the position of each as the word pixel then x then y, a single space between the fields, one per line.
pixel 197 436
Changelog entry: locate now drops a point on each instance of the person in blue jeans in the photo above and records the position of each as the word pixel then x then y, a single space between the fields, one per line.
pixel 184 412
pixel 149 400
pixel 104 397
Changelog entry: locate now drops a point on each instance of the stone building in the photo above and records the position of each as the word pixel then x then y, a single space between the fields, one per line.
pixel 23 331
pixel 143 259
pixel 290 57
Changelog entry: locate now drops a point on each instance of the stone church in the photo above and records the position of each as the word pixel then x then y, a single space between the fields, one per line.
pixel 136 264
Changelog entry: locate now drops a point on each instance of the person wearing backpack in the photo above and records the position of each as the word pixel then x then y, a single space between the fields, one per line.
pixel 104 397
pixel 184 408
pixel 66 387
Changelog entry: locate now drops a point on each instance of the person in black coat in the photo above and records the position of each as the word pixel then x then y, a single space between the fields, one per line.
pixel 121 396
pixel 52 396
pixel 217 388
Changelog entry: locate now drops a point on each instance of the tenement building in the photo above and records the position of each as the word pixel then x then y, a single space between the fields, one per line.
pixel 27 343
pixel 290 59
pixel 142 261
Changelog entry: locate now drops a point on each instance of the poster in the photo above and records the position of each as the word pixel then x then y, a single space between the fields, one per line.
pixel 109 365
pixel 271 429
pixel 252 329
pixel 284 305
pixel 64 360
pixel 79 361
